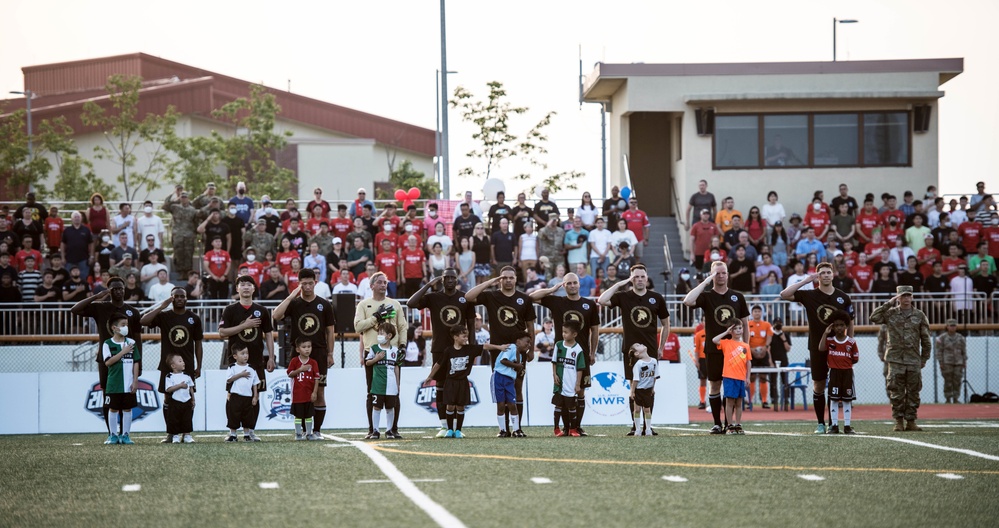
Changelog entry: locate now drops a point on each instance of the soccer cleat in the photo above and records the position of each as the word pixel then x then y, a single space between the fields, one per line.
pixel 631 433
pixel 765 405
pixel 848 430
pixel 558 432
pixel 820 429
pixel 519 433
pixel 701 406
pixel 188 439
pixel 573 432
pixel 176 440
pixel 910 425
pixel 124 439
pixel 298 437
pixel 730 429
pixel 833 430
pixel 449 433
pixel 168 439
pixel 112 440
pixel 233 439
pixel 581 431
pixel 503 434
pixel 375 435
pixel 246 438
pixel 654 433
pixel 899 425
pixel 442 433
pixel 738 429
pixel 389 435
pixel 252 437
pixel 396 435
pixel 370 435
pixel 716 430
pixel 457 434
pixel 316 436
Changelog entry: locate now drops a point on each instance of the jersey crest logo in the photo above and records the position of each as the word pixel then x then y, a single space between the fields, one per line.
pixel 451 315
pixel 734 298
pixel 586 306
pixel 256 313
pixel 461 300
pixel 724 315
pixel 308 324
pixel 319 307
pixel 839 300
pixel 128 313
pixel 248 335
pixel 652 300
pixel 825 313
pixel 520 302
pixel 146 399
pixel 641 317
pixel 179 336
pixel 190 320
pixel 573 315
pixel 507 316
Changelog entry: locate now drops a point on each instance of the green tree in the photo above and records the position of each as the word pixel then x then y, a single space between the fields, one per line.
pixel 126 133
pixel 496 143
pixel 405 178
pixel 250 153
pixel 18 170
pixel 75 178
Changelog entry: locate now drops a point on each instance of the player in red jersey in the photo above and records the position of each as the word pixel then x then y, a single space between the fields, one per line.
pixel 842 355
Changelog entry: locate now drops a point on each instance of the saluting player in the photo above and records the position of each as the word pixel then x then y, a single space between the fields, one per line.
pixel 511 315
pixel 250 323
pixel 448 307
pixel 820 306
pixel 311 317
pixel 640 310
pixel 586 314
pixel 722 307
pixel 103 311
pixel 181 333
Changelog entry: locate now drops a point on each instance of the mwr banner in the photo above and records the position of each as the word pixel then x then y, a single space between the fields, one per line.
pixel 70 402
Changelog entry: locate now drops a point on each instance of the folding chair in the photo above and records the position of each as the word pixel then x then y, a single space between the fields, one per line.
pixel 803 381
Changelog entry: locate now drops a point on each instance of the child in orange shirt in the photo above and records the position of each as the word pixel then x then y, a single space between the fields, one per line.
pixel 701 363
pixel 735 374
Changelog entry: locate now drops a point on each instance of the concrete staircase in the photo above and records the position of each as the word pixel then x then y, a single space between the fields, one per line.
pixel 655 260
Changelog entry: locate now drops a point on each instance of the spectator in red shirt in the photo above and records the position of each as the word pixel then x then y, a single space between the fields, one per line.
pixel 388 234
pixel 284 258
pixel 341 226
pixel 27 250
pixel 874 247
pixel 892 211
pixel 324 206
pixel 413 219
pixel 849 255
pixel 316 218
pixel 892 232
pixel 53 229
pixel 701 234
pixel 971 234
pixel 817 219
pixel 671 349
pixel 388 216
pixel 291 278
pixel 255 266
pixel 868 220
pixel 388 263
pixel 863 275
pixel 638 223
pixel 952 261
pixel 414 266
pixel 218 264
pixel 991 235
pixel 926 257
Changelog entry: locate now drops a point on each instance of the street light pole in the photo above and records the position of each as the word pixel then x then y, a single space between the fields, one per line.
pixel 847 21
pixel 445 177
pixel 28 95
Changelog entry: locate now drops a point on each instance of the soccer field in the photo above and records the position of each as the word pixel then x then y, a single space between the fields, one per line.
pixel 777 474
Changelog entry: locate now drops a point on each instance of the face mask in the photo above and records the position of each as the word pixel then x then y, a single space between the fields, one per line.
pixel 241 191
pixel 106 239
pixel 124 330
pixel 251 258
pixel 232 210
pixel 409 229
pixel 381 340
pixel 147 209
pixel 685 276
pixel 433 214
pixel 388 228
pixel 269 210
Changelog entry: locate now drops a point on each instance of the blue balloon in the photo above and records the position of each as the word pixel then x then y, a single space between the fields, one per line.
pixel 626 193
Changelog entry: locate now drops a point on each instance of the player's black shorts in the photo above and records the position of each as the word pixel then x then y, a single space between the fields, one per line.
pixel 303 410
pixel 840 385
pixel 456 392
pixel 384 401
pixel 820 367
pixel 715 362
pixel 702 371
pixel 441 374
pixel 585 382
pixel 120 400
pixel 562 401
pixel 643 398
pixel 629 366
pixel 324 367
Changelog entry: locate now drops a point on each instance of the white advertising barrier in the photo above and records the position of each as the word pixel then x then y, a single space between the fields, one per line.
pixel 607 397
pixel 19 392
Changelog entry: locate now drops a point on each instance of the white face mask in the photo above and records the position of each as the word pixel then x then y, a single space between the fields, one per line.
pixel 269 210
pixel 251 257
pixel 685 276
pixel 124 330
pixel 409 229
pixel 232 210
pixel 432 214
pixel 106 239
pixel 147 209
pixel 381 340
pixel 387 228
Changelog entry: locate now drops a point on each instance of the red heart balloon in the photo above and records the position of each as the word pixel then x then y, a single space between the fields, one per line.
pixel 400 195
pixel 413 193
pixel 406 204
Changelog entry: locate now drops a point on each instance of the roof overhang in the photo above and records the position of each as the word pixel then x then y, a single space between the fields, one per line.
pixel 698 99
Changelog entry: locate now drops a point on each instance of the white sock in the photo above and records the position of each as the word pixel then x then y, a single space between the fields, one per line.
pixel 847 411
pixel 648 425
pixel 834 412
pixel 501 420
pixel 389 418
pixel 113 422
pixel 298 426
pixel 232 432
pixel 443 423
pixel 638 423
pixel 515 422
pixel 126 421
pixel 308 426
pixel 376 418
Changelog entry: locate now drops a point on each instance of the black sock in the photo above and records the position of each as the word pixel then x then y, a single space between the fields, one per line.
pixel 819 402
pixel 441 408
pixel 395 420
pixel 558 416
pixel 716 407
pixel 107 424
pixel 369 406
pixel 450 420
pixel 631 410
pixel 461 419
pixel 571 424
pixel 317 421
pixel 506 416
pixel 520 415
pixel 580 407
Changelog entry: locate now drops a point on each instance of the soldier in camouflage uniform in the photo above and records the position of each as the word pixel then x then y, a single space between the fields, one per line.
pixel 952 356
pixel 259 239
pixel 551 244
pixel 907 351
pixel 205 198
pixel 182 230
pixel 882 348
pixel 324 239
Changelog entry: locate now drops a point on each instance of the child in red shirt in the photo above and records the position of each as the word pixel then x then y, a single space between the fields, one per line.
pixel 842 355
pixel 304 374
pixel 735 374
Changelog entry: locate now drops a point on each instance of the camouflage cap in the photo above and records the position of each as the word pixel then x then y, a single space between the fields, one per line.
pixel 951 322
pixel 903 290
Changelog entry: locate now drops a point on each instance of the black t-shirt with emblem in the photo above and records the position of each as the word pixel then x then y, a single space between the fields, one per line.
pixel 179 332
pixel 508 316
pixel 819 308
pixel 584 311
pixel 103 311
pixel 310 319
pixel 457 364
pixel 233 316
pixel 640 315
pixel 721 310
pixel 445 312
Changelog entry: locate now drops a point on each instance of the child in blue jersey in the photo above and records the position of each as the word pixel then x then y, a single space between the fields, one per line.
pixel 504 384
pixel 568 360
pixel 385 362
pixel 122 360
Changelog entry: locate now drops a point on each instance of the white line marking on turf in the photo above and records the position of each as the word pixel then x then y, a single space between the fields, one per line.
pixel 946 432
pixel 940 447
pixel 269 485
pixel 336 445
pixel 673 478
pixel 377 481
pixel 436 512
pixel 541 480
pixel 949 476
pixel 131 487
pixel 78 444
pixel 811 477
